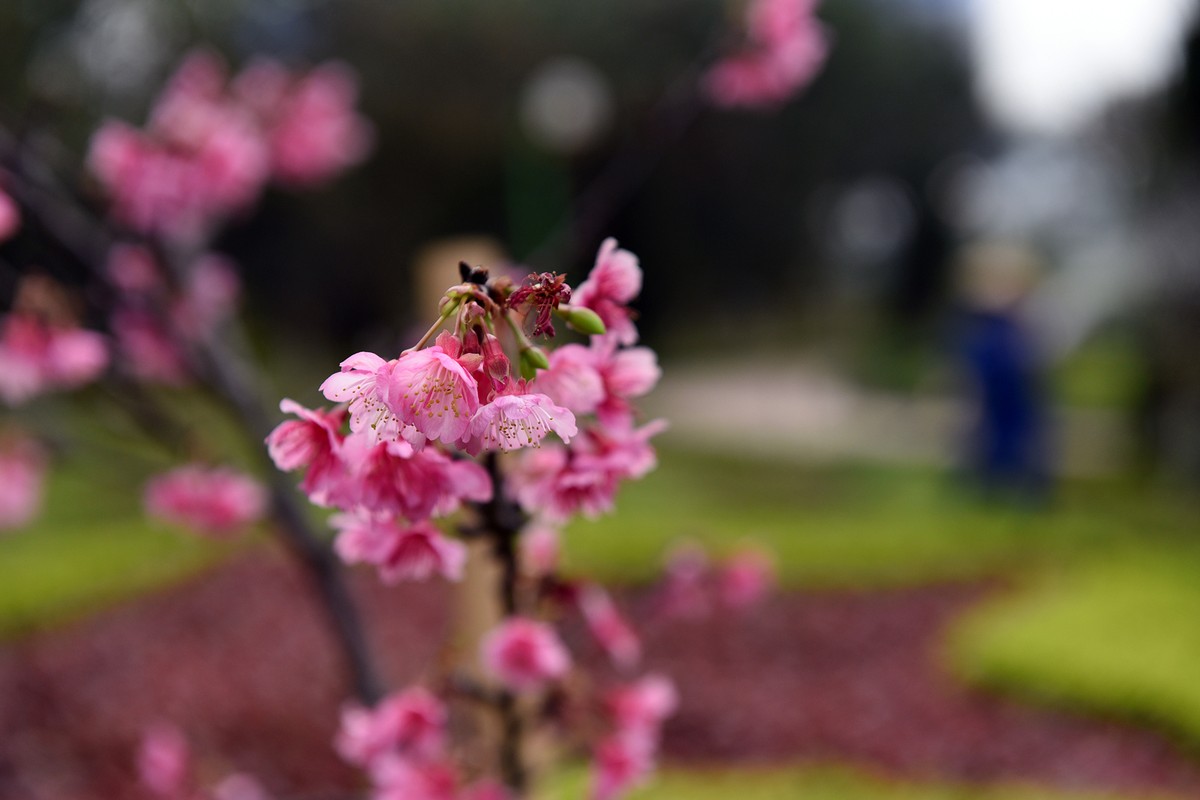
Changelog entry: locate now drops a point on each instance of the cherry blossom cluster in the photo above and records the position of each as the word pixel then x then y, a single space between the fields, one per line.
pixel 413 440
pixel 213 142
pixel 411 419
pixel 785 47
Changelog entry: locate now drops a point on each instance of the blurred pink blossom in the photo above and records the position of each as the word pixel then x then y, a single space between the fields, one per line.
pixel 614 635
pixel 745 579
pixel 209 297
pixel 540 549
pixel 211 144
pixel 524 654
pixel 402 779
pixel 314 133
pixel 785 49
pixel 22 473
pixel 164 761
pixel 148 352
pixel 411 723
pixel 619 764
pixel 640 708
pixel 36 357
pixel 212 501
pixel 10 217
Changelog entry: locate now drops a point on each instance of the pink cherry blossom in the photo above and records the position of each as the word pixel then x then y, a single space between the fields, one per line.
pixel 518 419
pixel 639 708
pixel 524 654
pixel 540 550
pixel 164 761
pixel 613 283
pixel 10 217
pixel 411 723
pixel 364 383
pixel 745 579
pixel 401 552
pixel 314 132
pixel 22 473
pixel 311 441
pixel 573 379
pixel 433 391
pixel 619 764
pixel 212 501
pixel 614 635
pixel 393 478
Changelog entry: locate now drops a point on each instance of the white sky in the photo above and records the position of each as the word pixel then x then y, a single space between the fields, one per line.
pixel 1048 65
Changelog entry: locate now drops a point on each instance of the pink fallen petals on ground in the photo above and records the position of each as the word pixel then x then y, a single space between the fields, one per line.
pixel 243 654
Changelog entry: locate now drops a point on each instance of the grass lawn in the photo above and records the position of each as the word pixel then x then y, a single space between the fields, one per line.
pixel 850 525
pixel 808 783
pixel 1118 633
pixel 856 524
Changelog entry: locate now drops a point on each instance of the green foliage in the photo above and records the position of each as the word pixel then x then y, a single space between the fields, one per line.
pixel 809 783
pixel 1117 633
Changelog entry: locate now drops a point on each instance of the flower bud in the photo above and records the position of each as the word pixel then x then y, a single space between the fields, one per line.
pixel 532 359
pixel 583 320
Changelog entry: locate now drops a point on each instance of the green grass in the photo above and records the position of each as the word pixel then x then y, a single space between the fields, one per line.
pixel 1106 372
pixel 808 783
pixel 861 525
pixel 1118 633
pixel 91 547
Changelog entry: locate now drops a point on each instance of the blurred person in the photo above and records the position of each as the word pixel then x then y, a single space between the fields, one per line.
pixel 1007 448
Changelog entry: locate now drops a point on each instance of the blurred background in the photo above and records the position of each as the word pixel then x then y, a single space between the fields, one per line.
pixel 930 334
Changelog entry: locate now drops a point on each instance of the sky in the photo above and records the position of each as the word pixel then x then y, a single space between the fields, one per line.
pixel 1047 66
